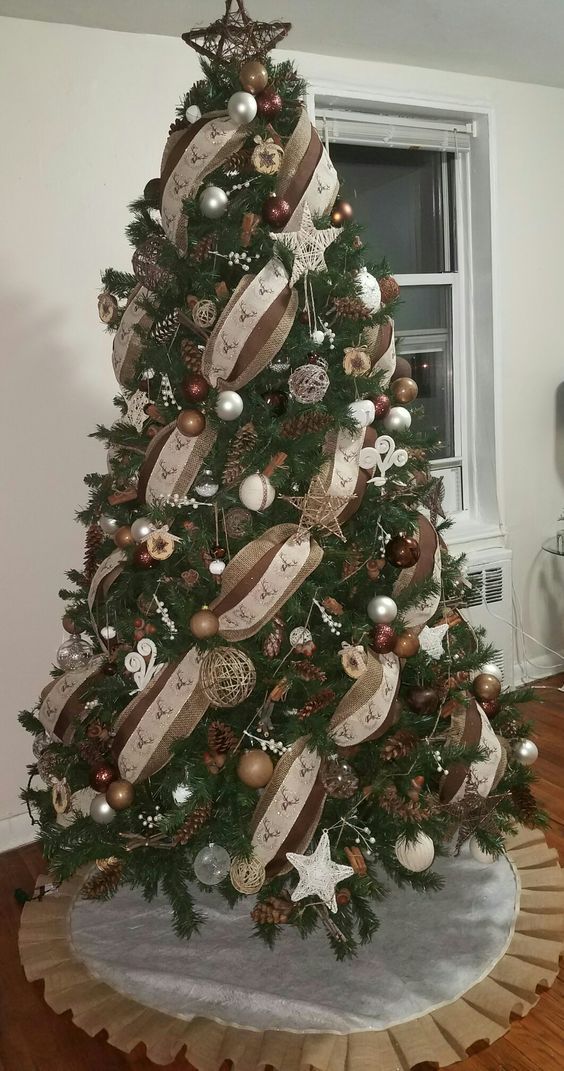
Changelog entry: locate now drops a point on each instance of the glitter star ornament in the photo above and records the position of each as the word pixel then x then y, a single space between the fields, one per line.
pixel 431 640
pixel 319 508
pixel 318 873
pixel 308 245
pixel 236 37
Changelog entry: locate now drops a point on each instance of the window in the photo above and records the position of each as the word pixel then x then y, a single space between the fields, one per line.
pixel 408 179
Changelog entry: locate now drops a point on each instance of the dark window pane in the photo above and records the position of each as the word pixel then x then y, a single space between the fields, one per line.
pixel 403 198
pixel 424 334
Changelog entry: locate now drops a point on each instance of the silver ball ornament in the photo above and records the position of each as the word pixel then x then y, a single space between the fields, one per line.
pixel 524 751
pixel 141 529
pixel 382 610
pixel 73 653
pixel 242 108
pixel 100 810
pixel 398 419
pixel 492 670
pixel 211 864
pixel 108 524
pixel 229 404
pixel 213 202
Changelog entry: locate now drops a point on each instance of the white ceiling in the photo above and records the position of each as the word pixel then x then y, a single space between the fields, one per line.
pixel 522 40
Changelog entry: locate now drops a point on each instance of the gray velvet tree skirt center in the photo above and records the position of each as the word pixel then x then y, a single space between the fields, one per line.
pixel 429 950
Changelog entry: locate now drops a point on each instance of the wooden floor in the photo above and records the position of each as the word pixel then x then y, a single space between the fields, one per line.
pixel 33 1038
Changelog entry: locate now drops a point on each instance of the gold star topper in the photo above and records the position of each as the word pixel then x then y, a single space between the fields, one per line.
pixel 236 36
pixel 319 508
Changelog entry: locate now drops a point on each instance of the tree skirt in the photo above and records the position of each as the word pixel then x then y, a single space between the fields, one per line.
pixel 443 972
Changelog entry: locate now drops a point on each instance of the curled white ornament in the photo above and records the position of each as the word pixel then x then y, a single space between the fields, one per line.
pixel 143 671
pixel 386 457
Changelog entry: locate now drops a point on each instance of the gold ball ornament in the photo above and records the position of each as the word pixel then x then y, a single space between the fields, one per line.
pixel 204 624
pixel 124 537
pixel 190 422
pixel 405 390
pixel 253 76
pixel 227 676
pixel 120 795
pixel 247 875
pixel 341 212
pixel 486 686
pixel 255 768
pixel 406 645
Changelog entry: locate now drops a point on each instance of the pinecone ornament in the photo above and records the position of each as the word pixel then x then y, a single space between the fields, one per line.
pixel 221 738
pixel 317 702
pixel 308 671
pixel 103 885
pixel 204 247
pixel 417 810
pixel 200 815
pixel 352 308
pixel 398 746
pixel 272 644
pixel 242 443
pixel 389 289
pixel 191 355
pixel 275 911
pixel 305 424
pixel 165 329
pixel 94 536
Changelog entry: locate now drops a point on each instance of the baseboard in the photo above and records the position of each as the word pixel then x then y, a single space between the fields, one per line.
pixel 15 831
pixel 536 668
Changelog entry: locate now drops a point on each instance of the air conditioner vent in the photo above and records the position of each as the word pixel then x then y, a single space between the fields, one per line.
pixel 488 585
pixel 489 604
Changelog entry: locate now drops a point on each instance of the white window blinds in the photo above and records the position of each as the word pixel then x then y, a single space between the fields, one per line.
pixel 393 131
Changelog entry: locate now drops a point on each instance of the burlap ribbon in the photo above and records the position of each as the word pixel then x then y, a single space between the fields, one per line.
pixel 429 565
pixel 168 709
pixel 381 347
pixel 172 462
pixel 472 727
pixel 289 809
pixel 252 328
pixel 261 578
pixel 368 709
pixel 346 475
pixel 62 701
pixel 128 342
pixel 105 575
pixel 189 155
pixel 307 175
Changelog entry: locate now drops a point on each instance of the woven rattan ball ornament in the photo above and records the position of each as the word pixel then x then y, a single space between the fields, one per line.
pixel 227 676
pixel 309 384
pixel 247 875
pixel 204 313
pixel 145 262
pixel 237 522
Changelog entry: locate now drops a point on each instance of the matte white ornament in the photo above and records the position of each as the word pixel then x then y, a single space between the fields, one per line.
pixel 181 794
pixel 363 411
pixel 431 640
pixel 492 669
pixel 229 404
pixel 318 873
pixel 211 864
pixel 524 751
pixel 382 610
pixel 308 245
pixel 479 854
pixel 318 337
pixel 398 419
pixel 213 202
pixel 369 290
pixel 141 528
pixel 216 567
pixel 108 524
pixel 193 113
pixel 416 855
pixel 136 663
pixel 387 456
pixel 242 108
pixel 256 492
pixel 108 632
pixel 300 636
pixel 100 810
pixel 136 414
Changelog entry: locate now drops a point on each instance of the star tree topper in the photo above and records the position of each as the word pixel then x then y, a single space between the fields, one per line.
pixel 308 245
pixel 236 37
pixel 318 873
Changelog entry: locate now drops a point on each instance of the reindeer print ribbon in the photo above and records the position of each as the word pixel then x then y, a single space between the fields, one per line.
pixel 189 156
pixel 172 462
pixel 307 175
pixel 252 328
pixel 368 709
pixel 261 578
pixel 167 709
pixel 62 701
pixel 105 575
pixel 347 477
pixel 472 727
pixel 380 344
pixel 128 340
pixel 429 564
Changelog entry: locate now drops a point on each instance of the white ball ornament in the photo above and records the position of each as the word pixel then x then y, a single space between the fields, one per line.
pixel 318 337
pixel 108 632
pixel 398 419
pixel 211 864
pixel 362 411
pixel 181 794
pixel 382 610
pixel 369 290
pixel 100 810
pixel 415 855
pixel 109 525
pixel 524 751
pixel 242 108
pixel 229 404
pixel 492 670
pixel 193 113
pixel 256 492
pixel 141 529
pixel 479 854
pixel 213 202
pixel 216 567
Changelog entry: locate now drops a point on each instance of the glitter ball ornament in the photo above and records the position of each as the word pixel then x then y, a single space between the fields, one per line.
pixel 256 492
pixel 276 211
pixel 402 551
pixel 253 76
pixel 338 778
pixel 491 707
pixel 100 811
pixel 195 387
pixel 213 202
pixel 269 103
pixel 383 638
pixel 227 676
pixel 191 422
pixel 142 559
pixel 255 768
pixel 382 406
pixel 309 383
pixel 73 653
pixel 206 485
pixel 102 775
pixel 229 405
pixel 242 108
pixel 204 624
pixel 382 609
pixel 247 875
pixel 212 864
pixel 525 752
pixel 416 855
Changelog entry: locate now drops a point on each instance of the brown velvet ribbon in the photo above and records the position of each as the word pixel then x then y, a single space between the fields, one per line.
pixel 428 541
pixel 467 730
pixel 132 714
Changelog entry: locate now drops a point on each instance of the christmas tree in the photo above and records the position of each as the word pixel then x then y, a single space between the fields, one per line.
pixel 269 684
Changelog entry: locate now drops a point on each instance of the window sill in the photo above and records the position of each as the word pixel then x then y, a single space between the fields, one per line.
pixel 470 534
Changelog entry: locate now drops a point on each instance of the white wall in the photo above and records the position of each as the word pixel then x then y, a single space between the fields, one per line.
pixel 85 116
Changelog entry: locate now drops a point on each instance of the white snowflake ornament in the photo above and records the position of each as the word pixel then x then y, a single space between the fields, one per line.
pixel 431 640
pixel 318 873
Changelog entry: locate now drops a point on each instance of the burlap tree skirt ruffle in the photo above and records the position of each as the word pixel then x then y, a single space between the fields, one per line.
pixel 444 972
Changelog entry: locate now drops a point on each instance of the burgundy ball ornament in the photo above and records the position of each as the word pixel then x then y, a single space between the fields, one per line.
pixel 403 551
pixel 142 559
pixel 195 387
pixel 383 639
pixel 276 211
pixel 422 700
pixel 382 405
pixel 341 213
pixel 269 103
pixel 276 401
pixel 491 707
pixel 102 775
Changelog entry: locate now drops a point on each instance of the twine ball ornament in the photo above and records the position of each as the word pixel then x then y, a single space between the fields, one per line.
pixel 204 313
pixel 255 768
pixel 253 76
pixel 120 795
pixel 145 263
pixel 204 624
pixel 416 855
pixel 308 384
pixel 213 202
pixel 486 686
pixel 247 875
pixel 256 492
pixel 227 676
pixel 237 522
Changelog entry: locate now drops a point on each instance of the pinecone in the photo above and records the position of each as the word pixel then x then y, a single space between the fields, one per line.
pixel 309 672
pixel 389 289
pixel 416 810
pixel 305 424
pixel 193 823
pixel 272 643
pixel 240 160
pixel 525 805
pixel 352 308
pixel 221 738
pixel 276 910
pixel 317 702
pixel 165 329
pixel 90 751
pixel 203 248
pixel 191 355
pixel 242 443
pixel 103 884
pixel 353 561
pixel 398 746
pixel 94 536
